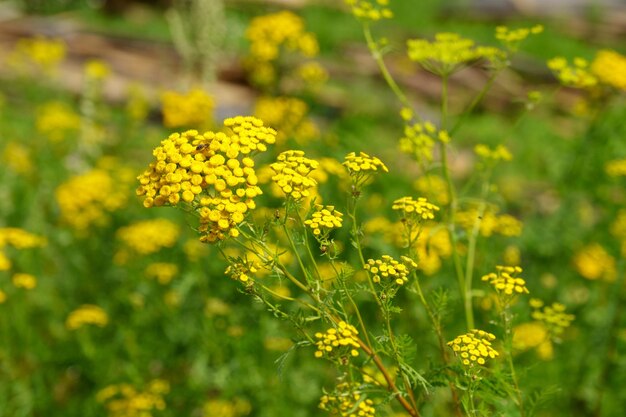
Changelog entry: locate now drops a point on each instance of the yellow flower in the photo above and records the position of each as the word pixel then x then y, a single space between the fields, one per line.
pixel 448 53
pixel 506 281
pixel 292 174
pixel 370 10
pixel 533 335
pixel 312 74
pixel 87 314
pixel 149 236
pixel 610 68
pixel 242 269
pixel 594 262
pixel 212 172
pixel 553 317
pixel 25 281
pixel 339 340
pixel 96 69
pixel 616 168
pixel 474 347
pixel 361 167
pixel 43 54
pixel 289 116
pixel 226 408
pixel 490 222
pixel 419 140
pixel 512 38
pixel 20 239
pixel 389 269
pixel 415 211
pixel 499 153
pixel 56 120
pixel 163 272
pixel 323 220
pixel 577 75
pixel 434 187
pixel 191 109
pixel 17 158
pixel 125 400
pixel 347 401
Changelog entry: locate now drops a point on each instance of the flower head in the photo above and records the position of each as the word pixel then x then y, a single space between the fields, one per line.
pixel 25 281
pixel 610 68
pixel 506 281
pixel 193 108
pixel 370 10
pixel 361 167
pixel 553 317
pixel 419 140
pixel 388 269
pixel 149 236
pixel 577 75
pixel 415 211
pixel 87 314
pixel 594 262
pixel 292 174
pixel 346 401
pixel 474 347
pixel 338 341
pixel 323 220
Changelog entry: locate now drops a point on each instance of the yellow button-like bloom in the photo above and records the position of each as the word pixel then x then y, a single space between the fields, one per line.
pixel 242 269
pixel 323 220
pixel 554 317
pixel 25 281
pixel 490 222
pixel 361 167
pixel 41 53
pixel 289 116
pixel 610 68
pixel 388 269
pixel 292 174
pixel 211 172
pixel 87 314
pixel 124 400
pixel 577 75
pixel 415 211
pixel 347 401
pixel 594 262
pixel 194 108
pixel 506 281
pixel 340 340
pixel 474 347
pixel 149 236
pixel 97 70
pixel 512 38
pixel 163 272
pixel 57 120
pixel 370 10
pixel 533 335
pixel 499 153
pixel 419 140
pixel 20 239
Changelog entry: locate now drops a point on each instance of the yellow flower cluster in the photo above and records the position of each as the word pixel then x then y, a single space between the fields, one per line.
pixel 474 347
pixel 312 74
pixel 419 140
pixel 610 68
pixel 414 211
pixel 499 153
pixel 533 335
pixel 553 317
pixel 191 109
pixel 289 116
pixel 448 53
pixel 214 172
pixel 124 400
pixel 292 174
pixel 269 35
pixel 616 168
pixel 506 280
pixel 342 339
pixel 594 262
pixel 24 281
pixel 323 220
pixel 56 120
pixel 347 401
pixel 370 10
pixel 361 167
pixel 236 407
pixel 16 157
pixel 242 270
pixel 434 186
pixel 149 236
pixel 87 314
pixel 88 199
pixel 19 239
pixel 490 222
pixel 163 272
pixel 577 75
pixel 390 269
pixel 618 229
pixel 41 53
pixel 97 70
pixel 511 38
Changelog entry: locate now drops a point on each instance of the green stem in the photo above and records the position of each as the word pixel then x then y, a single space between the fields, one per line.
pixel 507 323
pixel 479 97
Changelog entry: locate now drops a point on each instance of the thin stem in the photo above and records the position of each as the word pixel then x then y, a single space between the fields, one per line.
pixel 479 97
pixel 507 323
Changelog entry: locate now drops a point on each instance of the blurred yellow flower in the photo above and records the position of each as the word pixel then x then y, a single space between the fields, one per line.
pixel 594 262
pixel 87 314
pixel 191 109
pixel 57 120
pixel 610 68
pixel 163 272
pixel 25 281
pixel 17 158
pixel 149 236
pixel 96 69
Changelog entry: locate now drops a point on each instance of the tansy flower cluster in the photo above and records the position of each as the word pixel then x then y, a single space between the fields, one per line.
pixel 506 281
pixel 87 314
pixel 149 236
pixel 323 220
pixel 362 166
pixel 553 316
pixel 594 262
pixel 268 36
pixel 347 401
pixel 312 74
pixel 24 281
pixel 474 347
pixel 236 407
pixel 389 269
pixel 434 186
pixel 414 211
pixel 292 174
pixel 499 153
pixel 193 108
pixel 610 68
pixel 124 400
pixel 57 120
pixel 213 172
pixel 19 239
pixel 88 199
pixel 533 335
pixel 512 38
pixel 419 140
pixel 163 272
pixel 242 269
pixel 289 116
pixel 17 158
pixel 448 53
pixel 41 54
pixel 340 340
pixel 490 222
pixel 370 10
pixel 97 70
pixel 577 75
pixel 616 168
